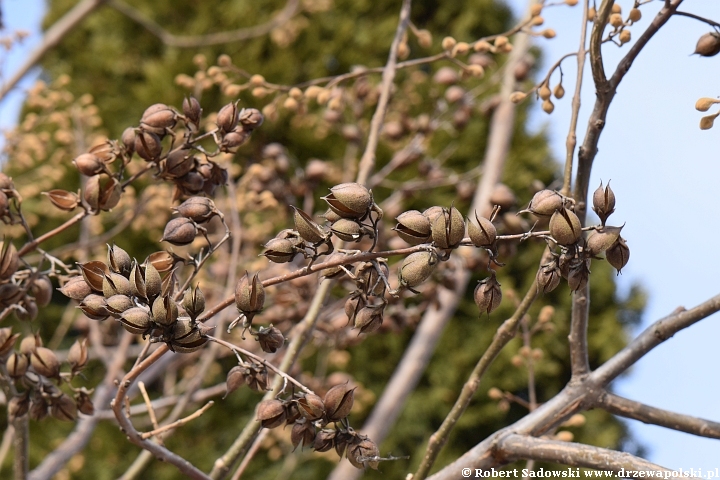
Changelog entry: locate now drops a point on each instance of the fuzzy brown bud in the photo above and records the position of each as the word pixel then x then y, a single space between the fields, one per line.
pixel 708 45
pixel 416 268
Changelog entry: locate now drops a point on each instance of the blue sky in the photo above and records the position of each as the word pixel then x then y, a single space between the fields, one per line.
pixel 665 173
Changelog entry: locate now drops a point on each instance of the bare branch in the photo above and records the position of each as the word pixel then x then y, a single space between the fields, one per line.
pixel 515 447
pixel 657 416
pixel 177 423
pixel 367 162
pixel 195 41
pixel 52 37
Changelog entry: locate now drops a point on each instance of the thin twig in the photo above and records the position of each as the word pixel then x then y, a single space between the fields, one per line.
pixel 367 162
pixel 177 423
pixel 148 404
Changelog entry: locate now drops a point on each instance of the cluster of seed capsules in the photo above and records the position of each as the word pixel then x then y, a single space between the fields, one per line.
pixel 309 415
pixel 138 297
pixel 35 373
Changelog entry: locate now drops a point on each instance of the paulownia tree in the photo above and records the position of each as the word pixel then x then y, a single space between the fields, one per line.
pixel 337 266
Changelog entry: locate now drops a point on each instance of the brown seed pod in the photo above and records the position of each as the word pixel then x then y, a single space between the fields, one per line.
pixel 416 268
pixel 311 407
pixel 192 110
pixel 110 193
pixel 76 288
pixel 483 234
pixel 7 340
pixel 145 281
pixel 148 146
pixel 18 406
pixel 198 209
pixel 350 200
pixel 180 231
pixel 62 199
pixel 352 306
pixel 27 310
pixel 448 229
pixel 9 259
pixel 227 118
pixel 118 260
pixel 45 362
pixel 249 295
pixel 488 294
pixel 95 307
pixel 347 230
pixel 604 202
pixel 361 454
pixel 578 274
pixel 232 140
pixel 413 227
pixel 136 320
pixel 338 402
pixel 548 277
pixel 16 364
pixel 39 408
pixel 303 433
pixel 158 119
pixel 544 203
pixel 91 192
pixel 89 164
pixel 271 413
pixel 324 440
pixel 117 304
pixel 250 118
pixel 84 402
pixel 163 261
pixel 235 379
pixel 708 45
pixel 94 273
pixel 280 250
pixel 618 254
pixel 194 302
pixel 64 408
pixel 369 318
pixel 307 228
pixel 78 355
pixel 270 339
pixel 115 284
pixel 565 227
pixel 164 311
pixel 602 239
pixel 178 163
pixel 41 289
pixel 186 337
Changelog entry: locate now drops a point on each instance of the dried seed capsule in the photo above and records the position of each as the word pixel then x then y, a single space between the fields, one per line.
pixel 91 192
pixel 118 260
pixel 416 268
pixel 76 288
pixel 164 311
pixel 89 164
pixel 9 260
pixel 45 362
pixel 303 433
pixel 270 339
pixel 311 407
pixel 148 146
pixel 186 337
pixel 483 234
pixel 347 230
pixel 64 408
pixel 62 199
pixel 250 118
pixel 338 402
pixel 369 318
pixel 280 250
pixel 95 307
pixel 180 231
pixel 136 320
pixel 604 202
pixel 235 379
pixel 448 229
pixel 618 255
pixel 708 45
pixel 115 284
pixel 198 209
pixel 565 227
pixel 227 117
pixel 145 282
pixel 307 228
pixel 578 274
pixel 84 402
pixel 27 311
pixel 117 304
pixel 488 294
pixel 16 364
pixel 192 110
pixel 352 306
pixel 94 273
pixel 271 413
pixel 350 200
pixel 544 203
pixel 413 227
pixel 78 355
pixel 249 295
pixel 178 163
pixel 7 340
pixel 18 406
pixel 548 277
pixel 362 454
pixel 41 289
pixel 602 239
pixel 38 408
pixel 324 440
pixel 194 302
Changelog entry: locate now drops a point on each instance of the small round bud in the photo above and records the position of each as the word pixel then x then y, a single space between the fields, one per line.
pixel 448 43
pixel 548 107
pixel 635 15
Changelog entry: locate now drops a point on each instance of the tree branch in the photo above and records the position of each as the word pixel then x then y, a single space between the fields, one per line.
pixel 517 447
pixel 657 416
pixel 52 37
pixel 195 41
pixel 367 162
